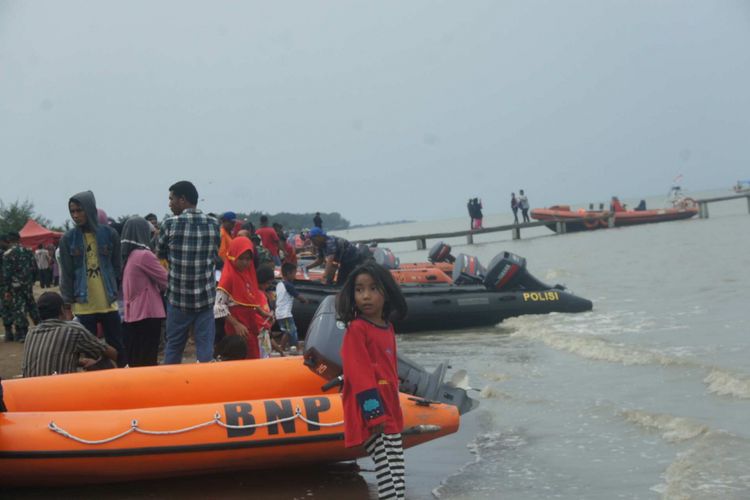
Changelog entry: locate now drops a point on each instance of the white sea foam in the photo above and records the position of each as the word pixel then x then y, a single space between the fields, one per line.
pixel 726 384
pixel 497 377
pixel 489 450
pixel 489 392
pixel 716 466
pixel 672 429
pixel 600 349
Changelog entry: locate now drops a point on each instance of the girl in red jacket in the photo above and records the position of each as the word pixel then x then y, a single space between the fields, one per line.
pixel 372 414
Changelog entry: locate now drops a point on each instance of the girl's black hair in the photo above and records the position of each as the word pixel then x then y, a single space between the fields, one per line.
pixel 394 306
pixel 265 273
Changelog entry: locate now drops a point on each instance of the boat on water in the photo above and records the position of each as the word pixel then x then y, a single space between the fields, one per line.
pixel 742 187
pixel 177 420
pixel 588 220
pixel 475 297
pixel 418 272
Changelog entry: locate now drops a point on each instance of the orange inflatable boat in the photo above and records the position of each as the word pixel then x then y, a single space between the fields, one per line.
pixel 421 272
pixel 174 420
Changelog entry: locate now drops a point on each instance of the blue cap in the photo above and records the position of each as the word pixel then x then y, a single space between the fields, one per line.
pixel 229 216
pixel 316 231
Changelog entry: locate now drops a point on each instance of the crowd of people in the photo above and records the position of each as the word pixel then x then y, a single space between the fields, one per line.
pixel 128 290
pixel 123 284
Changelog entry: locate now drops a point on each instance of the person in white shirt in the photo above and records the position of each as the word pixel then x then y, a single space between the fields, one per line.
pixel 285 295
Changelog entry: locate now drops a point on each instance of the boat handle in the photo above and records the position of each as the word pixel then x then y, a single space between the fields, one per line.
pixel 440 302
pixel 333 383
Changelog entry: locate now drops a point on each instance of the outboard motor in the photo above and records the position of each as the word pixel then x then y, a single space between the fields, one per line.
pixel 323 356
pixel 386 258
pixel 364 252
pixel 440 252
pixel 467 270
pixel 508 271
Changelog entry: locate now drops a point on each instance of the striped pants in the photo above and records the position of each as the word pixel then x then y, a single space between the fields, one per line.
pixel 387 451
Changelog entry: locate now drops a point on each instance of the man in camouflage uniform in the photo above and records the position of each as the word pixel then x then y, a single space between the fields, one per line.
pixel 18 297
pixel 6 324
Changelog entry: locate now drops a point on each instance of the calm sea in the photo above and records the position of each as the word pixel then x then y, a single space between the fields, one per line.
pixel 647 396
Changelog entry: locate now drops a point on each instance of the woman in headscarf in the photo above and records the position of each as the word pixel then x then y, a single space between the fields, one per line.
pixel 237 294
pixel 144 279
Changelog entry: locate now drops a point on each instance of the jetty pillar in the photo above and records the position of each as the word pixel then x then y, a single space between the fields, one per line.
pixel 421 244
pixel 516 232
pixel 470 239
pixel 561 227
pixel 703 209
pixel 748 204
pixel 611 221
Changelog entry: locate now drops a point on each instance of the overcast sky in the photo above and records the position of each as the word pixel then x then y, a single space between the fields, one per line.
pixel 380 110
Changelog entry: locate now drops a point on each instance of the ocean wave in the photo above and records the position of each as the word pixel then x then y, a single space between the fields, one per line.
pixel 716 466
pixel 726 384
pixel 672 429
pixel 489 450
pixel 600 349
pixel 719 381
pixel 497 377
pixel 489 392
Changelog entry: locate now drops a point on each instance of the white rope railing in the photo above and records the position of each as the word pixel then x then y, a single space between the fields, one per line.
pixel 216 421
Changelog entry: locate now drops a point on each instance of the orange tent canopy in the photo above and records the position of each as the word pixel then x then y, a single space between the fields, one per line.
pixel 33 234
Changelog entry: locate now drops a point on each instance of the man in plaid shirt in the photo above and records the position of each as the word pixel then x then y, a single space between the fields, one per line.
pixel 190 242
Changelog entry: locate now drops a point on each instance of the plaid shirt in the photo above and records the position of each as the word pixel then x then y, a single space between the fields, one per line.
pixel 190 242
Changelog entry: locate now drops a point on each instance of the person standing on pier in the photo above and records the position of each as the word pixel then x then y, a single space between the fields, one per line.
pixel 523 203
pixel 514 207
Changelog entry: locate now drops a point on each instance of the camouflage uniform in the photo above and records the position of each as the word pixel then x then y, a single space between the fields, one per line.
pixel 18 297
pixel 8 325
pixel 264 256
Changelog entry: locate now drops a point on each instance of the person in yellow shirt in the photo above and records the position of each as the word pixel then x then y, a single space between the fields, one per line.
pixel 90 272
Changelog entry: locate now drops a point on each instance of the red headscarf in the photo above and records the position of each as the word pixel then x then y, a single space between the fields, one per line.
pixel 241 286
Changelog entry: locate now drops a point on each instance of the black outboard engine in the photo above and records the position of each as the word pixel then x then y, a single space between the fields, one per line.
pixel 467 270
pixel 323 356
pixel 364 252
pixel 440 252
pixel 507 271
pixel 386 258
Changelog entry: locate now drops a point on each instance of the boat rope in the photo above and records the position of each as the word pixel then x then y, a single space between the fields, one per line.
pixel 134 427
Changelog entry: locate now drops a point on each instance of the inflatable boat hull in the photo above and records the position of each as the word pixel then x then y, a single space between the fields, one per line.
pixel 450 307
pixel 131 435
pixel 595 220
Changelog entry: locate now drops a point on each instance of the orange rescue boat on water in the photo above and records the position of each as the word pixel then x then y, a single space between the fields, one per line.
pixel 176 420
pixel 587 220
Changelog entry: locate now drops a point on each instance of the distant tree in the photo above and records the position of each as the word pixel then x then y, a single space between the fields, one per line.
pixel 15 215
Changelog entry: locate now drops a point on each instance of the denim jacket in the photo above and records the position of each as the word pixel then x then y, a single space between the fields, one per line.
pixel 73 270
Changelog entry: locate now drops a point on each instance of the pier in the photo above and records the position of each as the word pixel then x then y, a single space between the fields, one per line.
pixel 703 203
pixel 421 239
pixel 515 229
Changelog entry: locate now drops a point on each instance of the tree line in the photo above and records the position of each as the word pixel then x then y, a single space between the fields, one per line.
pixel 13 217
